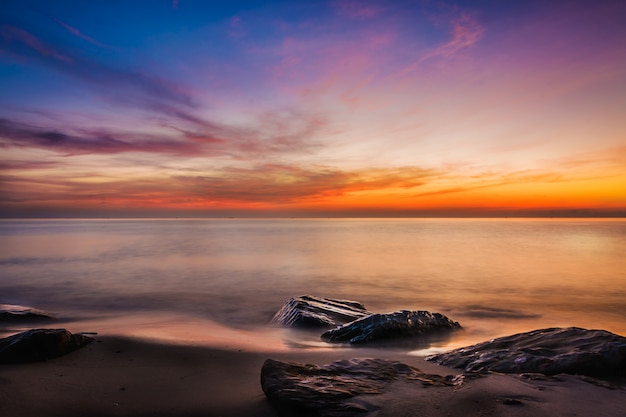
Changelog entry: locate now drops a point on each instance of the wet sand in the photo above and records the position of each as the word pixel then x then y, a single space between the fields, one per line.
pixel 130 377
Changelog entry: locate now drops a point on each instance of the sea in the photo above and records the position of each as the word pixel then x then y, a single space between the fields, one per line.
pixel 218 282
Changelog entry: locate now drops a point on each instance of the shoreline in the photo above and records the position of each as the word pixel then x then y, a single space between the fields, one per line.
pixel 122 376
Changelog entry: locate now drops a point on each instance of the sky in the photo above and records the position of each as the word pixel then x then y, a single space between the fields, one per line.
pixel 345 108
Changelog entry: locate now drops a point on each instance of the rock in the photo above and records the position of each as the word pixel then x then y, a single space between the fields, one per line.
pixel 330 390
pixel 548 351
pixel 40 345
pixel 310 311
pixel 12 313
pixel 400 324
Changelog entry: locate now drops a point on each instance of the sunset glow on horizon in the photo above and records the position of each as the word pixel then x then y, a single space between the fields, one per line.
pixel 320 108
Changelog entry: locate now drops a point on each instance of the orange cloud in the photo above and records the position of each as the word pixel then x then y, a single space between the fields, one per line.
pixel 280 188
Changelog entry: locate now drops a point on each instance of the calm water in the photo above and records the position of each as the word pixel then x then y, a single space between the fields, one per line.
pixel 220 281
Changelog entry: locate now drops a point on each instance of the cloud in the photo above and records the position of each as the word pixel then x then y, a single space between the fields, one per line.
pixel 272 134
pixel 609 157
pixel 494 179
pixel 12 35
pixel 162 100
pixel 267 183
pixel 574 169
pixel 263 185
pixel 138 88
pixel 357 9
pixel 79 34
pixel 86 141
pixel 465 32
pixel 25 165
pixel 285 184
pixel 236 28
pixel 249 185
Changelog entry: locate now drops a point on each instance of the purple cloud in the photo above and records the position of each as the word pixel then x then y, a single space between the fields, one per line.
pixel 465 31
pixel 79 34
pixel 12 35
pixel 273 134
pixel 17 134
pixel 357 9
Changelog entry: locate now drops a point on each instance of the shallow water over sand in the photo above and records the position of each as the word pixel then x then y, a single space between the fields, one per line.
pixel 219 281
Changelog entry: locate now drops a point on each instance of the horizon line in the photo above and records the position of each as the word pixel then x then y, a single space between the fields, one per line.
pixel 226 217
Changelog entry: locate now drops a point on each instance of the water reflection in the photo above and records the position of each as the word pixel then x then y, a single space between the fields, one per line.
pixel 495 277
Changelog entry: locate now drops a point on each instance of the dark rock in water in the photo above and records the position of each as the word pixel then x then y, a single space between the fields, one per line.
pixel 13 313
pixel 310 311
pixel 330 390
pixel 390 326
pixel 548 351
pixel 39 345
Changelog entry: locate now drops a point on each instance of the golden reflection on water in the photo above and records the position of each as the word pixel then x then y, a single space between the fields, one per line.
pixel 495 277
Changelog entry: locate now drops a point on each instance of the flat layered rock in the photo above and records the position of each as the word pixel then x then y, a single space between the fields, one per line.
pixel 401 324
pixel 15 313
pixel 340 388
pixel 40 345
pixel 310 311
pixel 548 351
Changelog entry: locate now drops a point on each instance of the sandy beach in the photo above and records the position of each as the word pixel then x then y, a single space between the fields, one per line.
pixel 116 376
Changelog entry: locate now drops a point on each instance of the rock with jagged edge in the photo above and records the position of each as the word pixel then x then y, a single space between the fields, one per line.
pixel 340 388
pixel 16 313
pixel 401 324
pixel 547 351
pixel 309 311
pixel 40 345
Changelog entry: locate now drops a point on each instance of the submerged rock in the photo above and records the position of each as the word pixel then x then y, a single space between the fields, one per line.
pixel 310 311
pixel 39 345
pixel 12 313
pixel 548 351
pixel 330 390
pixel 400 324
